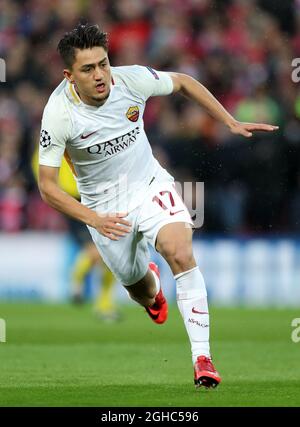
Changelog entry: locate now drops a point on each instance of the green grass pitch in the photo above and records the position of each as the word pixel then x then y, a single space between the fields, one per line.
pixel 59 355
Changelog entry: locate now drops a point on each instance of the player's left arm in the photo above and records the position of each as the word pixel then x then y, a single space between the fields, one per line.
pixel 194 90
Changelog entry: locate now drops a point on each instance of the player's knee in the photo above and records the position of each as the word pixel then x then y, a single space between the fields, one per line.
pixel 183 258
pixel 179 256
pixel 167 249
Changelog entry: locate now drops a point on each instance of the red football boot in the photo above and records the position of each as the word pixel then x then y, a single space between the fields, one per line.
pixel 205 373
pixel 159 310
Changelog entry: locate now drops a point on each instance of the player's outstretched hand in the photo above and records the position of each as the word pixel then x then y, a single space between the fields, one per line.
pixel 246 129
pixel 109 225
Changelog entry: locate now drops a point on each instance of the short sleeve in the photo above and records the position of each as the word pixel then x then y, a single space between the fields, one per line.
pixel 55 132
pixel 145 81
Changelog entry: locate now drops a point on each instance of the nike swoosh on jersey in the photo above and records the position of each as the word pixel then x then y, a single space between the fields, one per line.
pixel 86 136
pixel 198 312
pixel 174 213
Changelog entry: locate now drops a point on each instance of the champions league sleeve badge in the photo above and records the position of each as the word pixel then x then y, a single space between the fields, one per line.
pixel 45 139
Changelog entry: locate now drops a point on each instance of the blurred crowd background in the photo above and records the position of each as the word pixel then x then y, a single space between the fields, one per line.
pixel 240 49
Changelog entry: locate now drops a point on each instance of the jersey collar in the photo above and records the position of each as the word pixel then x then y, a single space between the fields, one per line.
pixel 74 94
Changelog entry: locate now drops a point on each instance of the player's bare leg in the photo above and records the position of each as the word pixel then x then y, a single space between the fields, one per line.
pixel 148 293
pixel 144 291
pixel 174 243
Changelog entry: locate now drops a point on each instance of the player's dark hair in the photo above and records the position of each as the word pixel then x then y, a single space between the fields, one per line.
pixel 84 36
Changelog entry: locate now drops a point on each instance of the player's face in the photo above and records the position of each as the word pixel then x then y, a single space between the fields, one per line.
pixel 92 75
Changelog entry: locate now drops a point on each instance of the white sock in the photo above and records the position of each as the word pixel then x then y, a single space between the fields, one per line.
pixel 157 281
pixel 192 303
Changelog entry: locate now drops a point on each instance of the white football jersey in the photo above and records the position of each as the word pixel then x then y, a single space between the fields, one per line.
pixel 107 145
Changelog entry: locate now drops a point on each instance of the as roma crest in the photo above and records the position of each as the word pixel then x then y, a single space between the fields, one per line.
pixel 133 113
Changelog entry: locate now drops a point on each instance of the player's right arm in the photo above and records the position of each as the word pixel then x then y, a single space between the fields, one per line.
pixel 56 130
pixel 51 193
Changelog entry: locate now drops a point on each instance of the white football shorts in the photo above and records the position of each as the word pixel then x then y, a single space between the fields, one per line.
pixel 128 257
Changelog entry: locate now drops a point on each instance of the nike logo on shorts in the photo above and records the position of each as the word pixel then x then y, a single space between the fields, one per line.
pixel 174 213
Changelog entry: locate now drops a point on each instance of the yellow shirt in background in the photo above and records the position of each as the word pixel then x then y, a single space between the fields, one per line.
pixel 66 178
